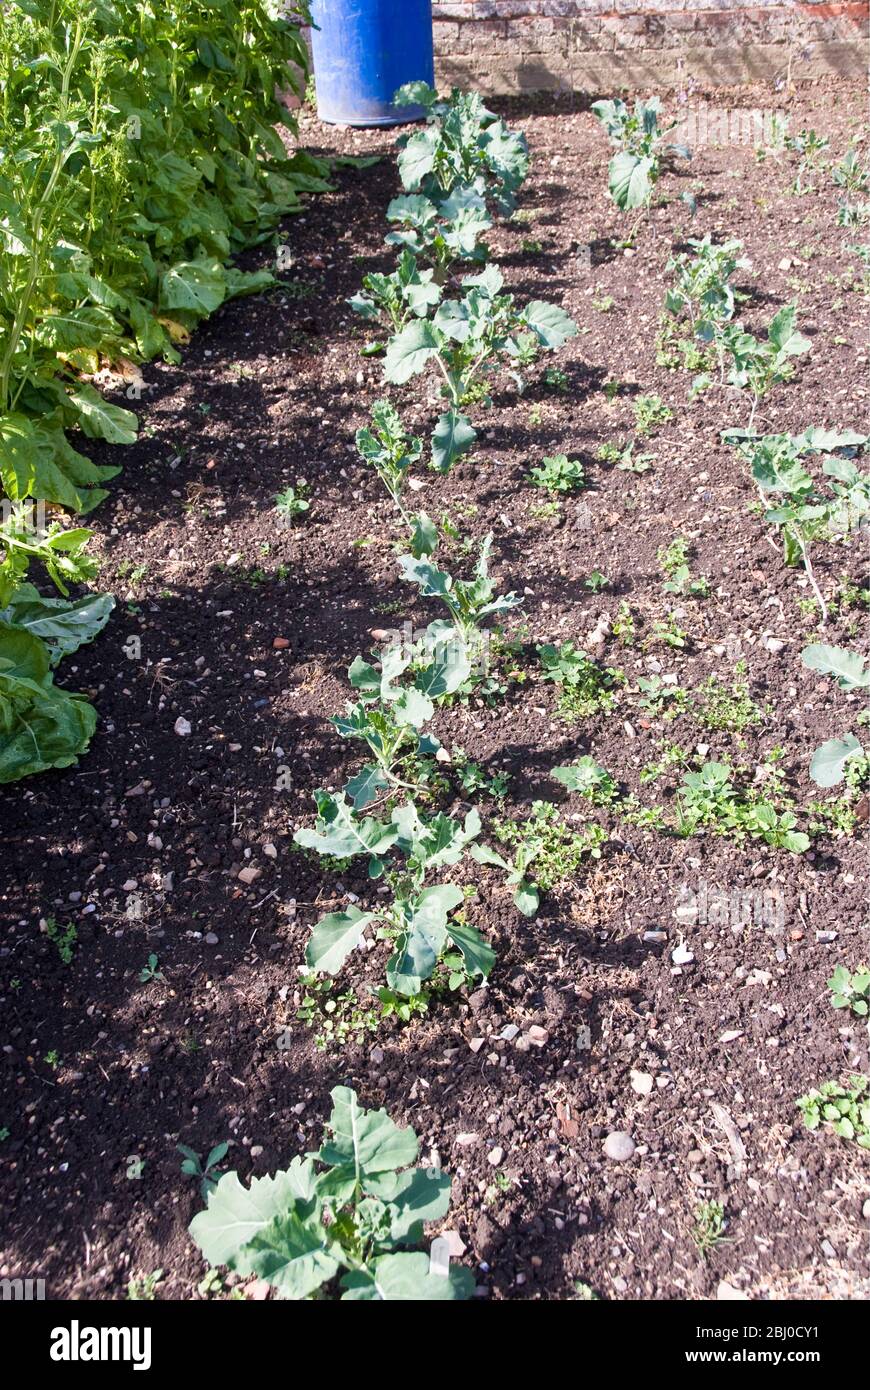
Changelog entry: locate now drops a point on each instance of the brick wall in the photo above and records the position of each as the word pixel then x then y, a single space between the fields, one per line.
pixel 600 46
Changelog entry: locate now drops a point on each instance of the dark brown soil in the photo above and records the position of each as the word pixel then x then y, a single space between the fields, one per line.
pixel 272 389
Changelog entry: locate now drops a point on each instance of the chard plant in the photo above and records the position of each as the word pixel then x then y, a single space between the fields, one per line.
pixel 462 146
pixel 467 339
pixel 835 759
pixel 420 922
pixel 641 155
pixel 345 1217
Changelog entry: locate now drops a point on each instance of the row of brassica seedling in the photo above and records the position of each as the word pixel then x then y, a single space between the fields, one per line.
pixel 458 172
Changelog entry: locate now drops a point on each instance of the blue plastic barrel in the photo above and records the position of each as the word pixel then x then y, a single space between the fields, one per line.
pixel 363 51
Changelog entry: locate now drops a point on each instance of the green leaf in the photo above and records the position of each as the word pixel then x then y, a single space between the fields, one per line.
pixel 478 956
pixel 409 351
pixel 629 179
pixel 828 763
pixel 197 287
pixel 424 535
pixel 420 1195
pixel 549 323
pixel 235 1215
pixel 453 435
pixel 417 159
pixel 101 420
pixel 366 785
pixel 364 1144
pixel 527 899
pixel 64 625
pixel 339 833
pixel 334 937
pixel 294 1253
pixel 36 460
pixel 41 726
pixel 783 334
pixel 405 1278
pixel 583 776
pixel 847 668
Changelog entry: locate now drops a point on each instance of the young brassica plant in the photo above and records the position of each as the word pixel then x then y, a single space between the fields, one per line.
pixel 804 515
pixel 468 601
pixel 758 364
pixel 467 338
pixel 419 921
pixel 441 232
pixel 833 760
pixel 641 156
pixel 396 299
pixel 389 450
pixel 463 145
pixel 389 717
pixel 343 1217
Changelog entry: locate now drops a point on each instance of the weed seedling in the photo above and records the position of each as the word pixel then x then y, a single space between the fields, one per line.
pixel 209 1171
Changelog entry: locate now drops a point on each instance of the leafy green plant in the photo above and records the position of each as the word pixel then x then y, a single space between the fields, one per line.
pixel 467 338
pixel 702 293
pixel 336 1015
pixel 62 938
pixel 559 474
pixel 709 799
pixel 850 989
pixel 804 515
pixel 350 1221
pixel 674 561
pixel 543 839
pixel 845 1108
pixel 151 972
pixel 420 922
pixel 468 601
pixel 463 146
pixel 589 778
pixel 851 174
pixel 727 707
pixel 650 413
pixel 441 232
pixel 398 298
pixel 758 364
pixel 388 717
pixel 641 154
pixel 293 501
pixel 387 448
pixel 709 1228
pixel 585 688
pixel 832 761
pixel 208 1170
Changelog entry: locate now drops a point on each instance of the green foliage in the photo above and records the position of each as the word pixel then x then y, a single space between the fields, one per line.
pixel 803 514
pixel 462 147
pixel 395 299
pixel 559 474
pixel 589 778
pixel 336 1014
pixel 350 1209
pixel 418 921
pixel 62 938
pixel 467 338
pixel 141 157
pixel 757 364
pixel 641 156
pixel 41 725
pixel 709 799
pixel 208 1170
pixel 709 1227
pixel 702 293
pixel 292 502
pixel 673 559
pixel 650 413
pixel 585 688
pixel 387 447
pixel 845 1108
pixel 557 850
pixel 468 601
pixel 723 707
pixel 850 989
pixel 833 760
